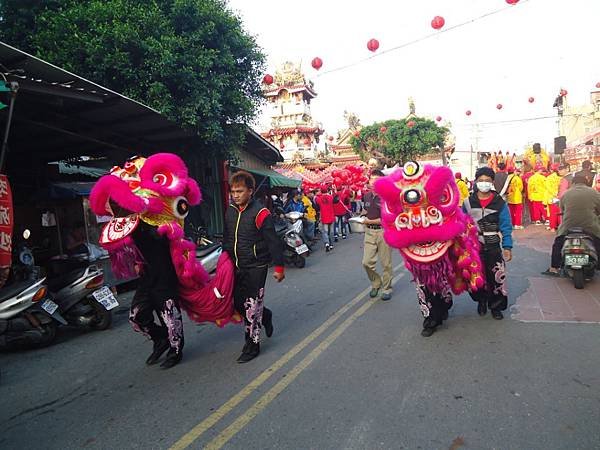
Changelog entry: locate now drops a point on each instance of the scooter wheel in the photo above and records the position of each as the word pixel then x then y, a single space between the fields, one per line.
pixel 578 279
pixel 300 262
pixel 49 335
pixel 103 318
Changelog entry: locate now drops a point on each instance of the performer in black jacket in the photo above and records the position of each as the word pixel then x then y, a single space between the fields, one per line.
pixel 252 243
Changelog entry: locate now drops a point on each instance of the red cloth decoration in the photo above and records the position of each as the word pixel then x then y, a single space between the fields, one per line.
pixel 317 63
pixel 438 22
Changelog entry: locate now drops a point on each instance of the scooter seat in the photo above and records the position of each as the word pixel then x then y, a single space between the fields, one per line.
pixel 205 250
pixel 57 283
pixel 14 289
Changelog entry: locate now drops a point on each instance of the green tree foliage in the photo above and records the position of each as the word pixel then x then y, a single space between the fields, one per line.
pixel 189 59
pixel 396 142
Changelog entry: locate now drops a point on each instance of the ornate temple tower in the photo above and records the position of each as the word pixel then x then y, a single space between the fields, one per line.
pixel 293 129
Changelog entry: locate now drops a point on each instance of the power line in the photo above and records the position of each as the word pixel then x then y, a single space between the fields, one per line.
pixel 415 41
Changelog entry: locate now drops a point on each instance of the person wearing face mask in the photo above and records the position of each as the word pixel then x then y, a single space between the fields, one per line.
pixel 491 214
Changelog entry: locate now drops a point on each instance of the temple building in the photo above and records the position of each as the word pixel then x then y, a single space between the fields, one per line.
pixel 292 129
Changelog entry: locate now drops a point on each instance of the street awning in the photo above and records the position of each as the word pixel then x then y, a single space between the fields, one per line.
pixel 276 179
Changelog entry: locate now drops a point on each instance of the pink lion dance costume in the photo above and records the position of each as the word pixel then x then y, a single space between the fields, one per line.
pixel 148 240
pixel 421 217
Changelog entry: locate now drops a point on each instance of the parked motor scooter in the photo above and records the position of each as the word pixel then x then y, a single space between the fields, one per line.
pixel 83 298
pixel 579 257
pixel 295 249
pixel 208 252
pixel 28 316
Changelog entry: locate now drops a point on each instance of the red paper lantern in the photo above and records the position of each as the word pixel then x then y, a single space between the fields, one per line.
pixel 438 22
pixel 410 124
pixel 307 141
pixel 499 106
pixel 438 119
pixel 373 45
pixel 356 133
pixel 268 79
pixel 512 2
pixel 531 99
pixel 468 113
pixel 317 63
pixel 330 138
pixel 563 92
pixel 383 129
pixel 598 84
pixel 281 146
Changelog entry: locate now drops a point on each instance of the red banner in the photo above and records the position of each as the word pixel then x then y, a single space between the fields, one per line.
pixel 6 222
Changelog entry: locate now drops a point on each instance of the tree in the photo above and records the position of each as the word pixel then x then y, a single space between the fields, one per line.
pixel 395 142
pixel 189 59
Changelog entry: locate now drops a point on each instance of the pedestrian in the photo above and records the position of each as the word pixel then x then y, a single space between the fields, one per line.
pixel 526 174
pixel 341 207
pixel 500 180
pixel 325 203
pixel 250 240
pixel 580 207
pixel 514 198
pixel 375 248
pixel 463 189
pixel 489 211
pixel 552 189
pixel 310 215
pixel 536 192
pixel 294 202
pixel 587 173
pixel 359 200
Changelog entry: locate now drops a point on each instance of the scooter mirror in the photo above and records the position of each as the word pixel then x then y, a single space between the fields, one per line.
pixel 26 234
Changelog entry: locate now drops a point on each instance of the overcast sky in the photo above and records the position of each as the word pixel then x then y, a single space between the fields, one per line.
pixel 531 49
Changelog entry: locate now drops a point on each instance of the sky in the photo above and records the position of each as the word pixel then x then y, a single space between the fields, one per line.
pixel 531 49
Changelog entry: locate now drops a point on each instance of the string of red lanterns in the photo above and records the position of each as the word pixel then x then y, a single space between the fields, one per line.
pixel 438 22
pixel 373 45
pixel 317 63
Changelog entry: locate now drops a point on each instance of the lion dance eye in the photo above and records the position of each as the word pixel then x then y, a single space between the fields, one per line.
pixel 446 197
pixel 164 179
pixel 412 197
pixel 181 207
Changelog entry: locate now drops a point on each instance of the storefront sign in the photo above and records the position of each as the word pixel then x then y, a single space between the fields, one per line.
pixel 6 222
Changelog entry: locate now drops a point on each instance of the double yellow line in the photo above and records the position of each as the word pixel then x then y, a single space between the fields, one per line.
pixel 261 404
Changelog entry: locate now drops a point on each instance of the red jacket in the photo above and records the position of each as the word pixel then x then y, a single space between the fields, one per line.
pixel 325 202
pixel 343 206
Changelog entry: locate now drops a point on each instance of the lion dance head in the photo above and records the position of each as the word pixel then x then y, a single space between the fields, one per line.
pixel 421 217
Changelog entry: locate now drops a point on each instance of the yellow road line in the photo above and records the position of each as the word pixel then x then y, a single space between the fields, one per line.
pixel 267 398
pixel 228 406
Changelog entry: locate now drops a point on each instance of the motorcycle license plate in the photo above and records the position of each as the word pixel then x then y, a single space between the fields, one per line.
pixel 577 260
pixel 302 249
pixel 106 298
pixel 49 306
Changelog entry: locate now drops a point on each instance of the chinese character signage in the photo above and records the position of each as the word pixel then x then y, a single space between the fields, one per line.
pixel 6 222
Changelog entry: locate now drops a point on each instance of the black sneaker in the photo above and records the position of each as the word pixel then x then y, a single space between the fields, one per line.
pixel 250 351
pixel 173 358
pixel 497 314
pixel 426 332
pixel 160 346
pixel 327 247
pixel 344 236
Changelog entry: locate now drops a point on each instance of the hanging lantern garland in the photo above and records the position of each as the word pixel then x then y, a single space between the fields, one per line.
pixel 438 22
pixel 373 45
pixel 317 63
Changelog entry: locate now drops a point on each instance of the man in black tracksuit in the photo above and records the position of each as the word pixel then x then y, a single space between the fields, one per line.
pixel 252 243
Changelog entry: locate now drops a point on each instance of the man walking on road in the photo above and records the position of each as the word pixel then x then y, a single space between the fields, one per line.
pixel 252 243
pixel 375 247
pixel 325 202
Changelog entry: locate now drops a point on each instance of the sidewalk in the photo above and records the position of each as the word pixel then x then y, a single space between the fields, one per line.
pixel 550 299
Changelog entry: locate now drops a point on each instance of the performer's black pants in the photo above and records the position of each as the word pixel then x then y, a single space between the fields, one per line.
pixel 434 306
pixel 170 325
pixel 494 294
pixel 248 296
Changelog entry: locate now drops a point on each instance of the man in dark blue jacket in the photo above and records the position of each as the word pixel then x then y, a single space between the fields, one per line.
pixel 491 214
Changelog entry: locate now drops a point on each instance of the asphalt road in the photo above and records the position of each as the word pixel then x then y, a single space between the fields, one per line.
pixel 341 371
